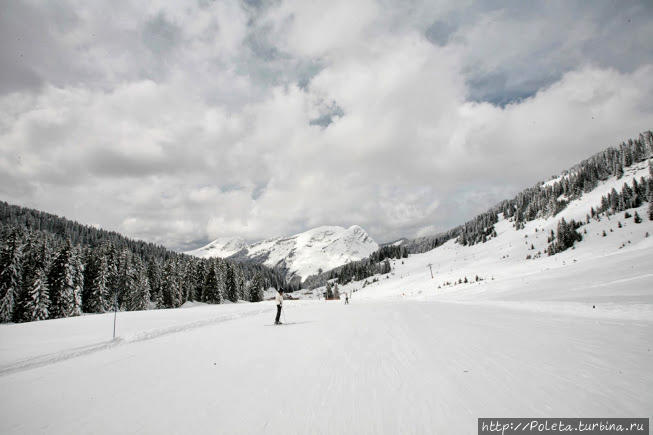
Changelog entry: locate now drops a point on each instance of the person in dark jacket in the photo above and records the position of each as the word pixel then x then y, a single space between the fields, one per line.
pixel 279 300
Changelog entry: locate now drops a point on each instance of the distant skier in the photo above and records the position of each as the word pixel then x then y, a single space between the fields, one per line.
pixel 346 298
pixel 279 300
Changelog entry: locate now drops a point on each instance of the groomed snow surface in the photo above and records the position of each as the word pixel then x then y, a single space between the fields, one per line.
pixel 568 335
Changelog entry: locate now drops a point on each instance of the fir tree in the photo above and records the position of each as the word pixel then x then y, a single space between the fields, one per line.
pixel 256 288
pixel 97 297
pixel 241 283
pixel 10 274
pixel 138 287
pixel 170 286
pixel 38 301
pixel 231 284
pixel 200 275
pixel 154 278
pixel 30 267
pixel 65 280
pixel 211 291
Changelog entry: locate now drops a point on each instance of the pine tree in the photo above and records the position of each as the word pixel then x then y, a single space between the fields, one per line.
pixel 154 278
pixel 231 284
pixel 97 297
pixel 241 283
pixel 170 285
pixel 30 267
pixel 10 274
pixel 138 287
pixel 256 288
pixel 200 276
pixel 113 277
pixel 38 302
pixel 211 291
pixel 65 281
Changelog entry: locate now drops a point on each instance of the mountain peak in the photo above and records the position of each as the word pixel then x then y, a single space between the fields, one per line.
pixel 304 254
pixel 220 247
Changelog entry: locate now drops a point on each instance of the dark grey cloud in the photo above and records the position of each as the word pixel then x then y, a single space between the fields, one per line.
pixel 327 117
pixel 160 35
pixel 440 31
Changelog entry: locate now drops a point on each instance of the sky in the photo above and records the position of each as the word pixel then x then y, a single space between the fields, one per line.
pixel 180 122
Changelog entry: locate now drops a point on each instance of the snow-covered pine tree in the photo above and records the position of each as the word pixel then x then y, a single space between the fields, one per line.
pixel 211 290
pixel 10 274
pixel 188 286
pixel 336 292
pixel 65 281
pixel 29 267
pixel 37 304
pixel 154 278
pixel 241 283
pixel 113 276
pixel 97 297
pixel 138 288
pixel 231 283
pixel 256 288
pixel 170 285
pixel 200 276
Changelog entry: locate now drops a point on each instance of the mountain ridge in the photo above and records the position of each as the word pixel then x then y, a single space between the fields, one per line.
pixel 299 255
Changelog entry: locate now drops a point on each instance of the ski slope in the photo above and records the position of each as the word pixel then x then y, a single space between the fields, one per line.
pixel 369 367
pixel 393 361
pixel 565 335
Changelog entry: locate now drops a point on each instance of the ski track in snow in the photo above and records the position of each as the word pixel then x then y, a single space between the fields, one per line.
pixel 371 367
pixel 52 358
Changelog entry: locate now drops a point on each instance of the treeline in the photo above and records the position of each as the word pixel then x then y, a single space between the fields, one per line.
pixel 548 199
pixel 44 274
pixel 78 234
pixel 377 263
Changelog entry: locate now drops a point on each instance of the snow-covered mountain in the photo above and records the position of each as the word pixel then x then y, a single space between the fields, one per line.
pixel 221 247
pixel 300 255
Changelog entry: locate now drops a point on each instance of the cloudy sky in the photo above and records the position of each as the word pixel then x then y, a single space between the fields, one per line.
pixel 179 122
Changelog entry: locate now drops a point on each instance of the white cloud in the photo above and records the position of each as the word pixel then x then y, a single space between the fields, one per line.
pixel 167 124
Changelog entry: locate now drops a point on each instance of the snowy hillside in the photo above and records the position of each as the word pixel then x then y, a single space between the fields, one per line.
pixel 301 255
pixel 222 247
pixel 411 353
pixel 572 333
pixel 613 272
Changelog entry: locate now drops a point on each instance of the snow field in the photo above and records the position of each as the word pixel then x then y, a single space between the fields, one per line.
pixel 565 335
pixel 372 367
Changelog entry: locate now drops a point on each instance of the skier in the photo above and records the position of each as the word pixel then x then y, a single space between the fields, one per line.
pixel 346 298
pixel 279 300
